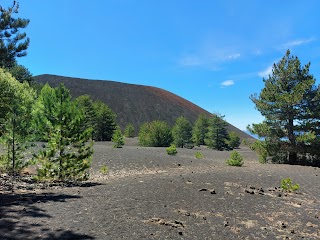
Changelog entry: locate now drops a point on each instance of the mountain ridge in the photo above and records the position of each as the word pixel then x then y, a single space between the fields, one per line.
pixel 133 103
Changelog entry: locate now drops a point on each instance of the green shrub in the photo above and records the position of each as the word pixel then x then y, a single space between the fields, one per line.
pixel 155 134
pixel 104 170
pixel 129 131
pixel 198 155
pixel 172 150
pixel 182 132
pixel 233 141
pixel 287 185
pixel 260 147
pixel 235 159
pixel 117 138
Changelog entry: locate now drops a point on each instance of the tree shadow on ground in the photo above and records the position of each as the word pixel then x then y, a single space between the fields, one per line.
pixel 18 214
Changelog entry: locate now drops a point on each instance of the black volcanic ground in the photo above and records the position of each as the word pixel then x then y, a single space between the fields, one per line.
pixel 132 103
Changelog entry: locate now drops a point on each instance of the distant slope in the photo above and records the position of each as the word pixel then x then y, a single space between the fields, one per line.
pixel 132 103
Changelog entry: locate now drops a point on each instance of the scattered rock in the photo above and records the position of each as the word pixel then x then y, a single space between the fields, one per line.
pixel 279 195
pixel 310 224
pixel 225 223
pixel 159 221
pixel 213 191
pixel 249 191
pixel 203 190
pixel 180 233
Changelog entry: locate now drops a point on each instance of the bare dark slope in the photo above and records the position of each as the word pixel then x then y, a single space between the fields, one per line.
pixel 133 103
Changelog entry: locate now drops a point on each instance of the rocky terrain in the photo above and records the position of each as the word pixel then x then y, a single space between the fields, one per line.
pixel 148 194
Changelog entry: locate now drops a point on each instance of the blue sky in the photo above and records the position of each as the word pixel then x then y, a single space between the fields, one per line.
pixel 213 53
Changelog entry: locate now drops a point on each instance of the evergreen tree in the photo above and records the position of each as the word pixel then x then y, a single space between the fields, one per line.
pixel 217 135
pixel 21 73
pixel 200 130
pixel 155 134
pixel 129 131
pixel 290 104
pixel 182 132
pixel 67 154
pixel 105 122
pixel 86 104
pixel 16 100
pixel 13 43
pixel 117 138
pixel 234 140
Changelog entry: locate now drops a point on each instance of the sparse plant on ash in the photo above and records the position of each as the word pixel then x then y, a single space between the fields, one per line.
pixel 287 185
pixel 172 150
pixel 198 155
pixel 235 159
pixel 104 170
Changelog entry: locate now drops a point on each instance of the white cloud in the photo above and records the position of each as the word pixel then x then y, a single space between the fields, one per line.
pixel 227 83
pixel 265 73
pixel 295 43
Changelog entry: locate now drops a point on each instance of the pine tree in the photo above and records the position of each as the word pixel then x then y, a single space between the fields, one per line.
pixel 182 132
pixel 234 140
pixel 59 121
pixel 86 104
pixel 290 104
pixel 16 100
pixel 117 138
pixel 129 131
pixel 13 43
pixel 200 130
pixel 105 122
pixel 217 135
pixel 155 134
pixel 21 73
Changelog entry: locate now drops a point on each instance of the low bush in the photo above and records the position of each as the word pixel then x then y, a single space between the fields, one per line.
pixel 104 170
pixel 172 150
pixel 117 138
pixel 235 159
pixel 198 155
pixel 155 134
pixel 129 131
pixel 287 185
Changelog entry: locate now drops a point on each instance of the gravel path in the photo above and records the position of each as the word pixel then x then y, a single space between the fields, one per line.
pixel 150 195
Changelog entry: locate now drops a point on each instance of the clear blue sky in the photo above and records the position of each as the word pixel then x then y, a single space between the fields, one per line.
pixel 213 53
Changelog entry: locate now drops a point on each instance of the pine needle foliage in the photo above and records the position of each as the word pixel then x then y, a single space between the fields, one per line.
pixel 68 149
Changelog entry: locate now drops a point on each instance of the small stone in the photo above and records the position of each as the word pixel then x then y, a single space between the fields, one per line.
pixel 283 225
pixel 213 191
pixel 279 195
pixel 180 233
pixel 309 224
pixel 225 223
pixel 248 191
pixel 292 231
pixel 179 165
pixel 203 190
